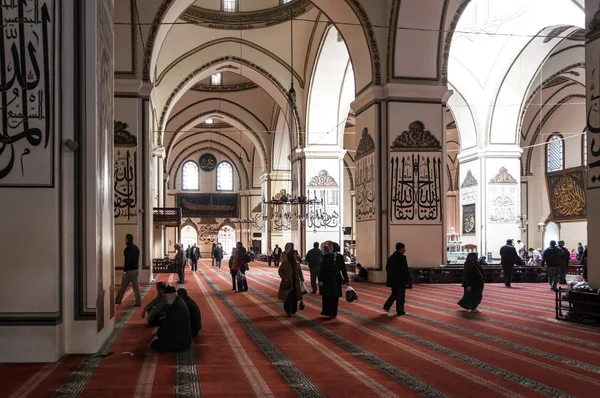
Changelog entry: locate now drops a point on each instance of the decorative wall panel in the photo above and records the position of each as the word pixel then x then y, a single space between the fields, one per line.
pixel 592 68
pixel 209 205
pixel 365 180
pixel 468 220
pixel 503 197
pixel 566 194
pixel 325 216
pixel 468 189
pixel 416 177
pixel 27 137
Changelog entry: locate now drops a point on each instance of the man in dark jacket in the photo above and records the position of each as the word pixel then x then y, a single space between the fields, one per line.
pixel 566 259
pixel 131 269
pixel 218 255
pixel 194 310
pixel 175 332
pixel 156 308
pixel 398 278
pixel 553 260
pixel 508 258
pixel 277 255
pixel 362 275
pixel 314 258
pixel 195 255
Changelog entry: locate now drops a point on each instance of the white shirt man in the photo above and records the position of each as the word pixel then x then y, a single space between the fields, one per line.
pixel 536 258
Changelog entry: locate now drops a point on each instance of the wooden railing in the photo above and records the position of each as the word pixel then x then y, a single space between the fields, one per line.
pixel 167 215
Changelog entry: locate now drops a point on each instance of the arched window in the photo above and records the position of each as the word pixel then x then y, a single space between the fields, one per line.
pixel 224 177
pixel 230 5
pixel 190 176
pixel 584 147
pixel 555 153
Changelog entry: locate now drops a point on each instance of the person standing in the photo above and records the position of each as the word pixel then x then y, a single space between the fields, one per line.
pixel 212 253
pixel 131 270
pixel 472 283
pixel 553 260
pixel 521 249
pixel 290 288
pixel 218 255
pixel 584 262
pixel 232 271
pixel 508 258
pixel 314 257
pixel 195 255
pixel 332 276
pixel 240 265
pixel 179 262
pixel 580 250
pixel 398 279
pixel 276 255
pixel 565 265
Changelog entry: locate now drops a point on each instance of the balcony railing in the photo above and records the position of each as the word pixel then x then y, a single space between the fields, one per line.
pixel 167 216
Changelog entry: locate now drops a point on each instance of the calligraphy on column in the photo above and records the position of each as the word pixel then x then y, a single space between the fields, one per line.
pixel 416 177
pixel 125 183
pixel 502 193
pixel 323 211
pixel 365 180
pixel 26 87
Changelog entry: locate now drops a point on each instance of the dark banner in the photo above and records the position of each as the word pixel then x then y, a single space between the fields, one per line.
pixel 209 205
pixel 566 194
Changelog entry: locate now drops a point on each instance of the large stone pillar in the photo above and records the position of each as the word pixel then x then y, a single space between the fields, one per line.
pixel 592 68
pixel 400 193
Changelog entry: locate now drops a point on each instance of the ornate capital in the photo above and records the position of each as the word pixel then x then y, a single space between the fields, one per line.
pixel 416 138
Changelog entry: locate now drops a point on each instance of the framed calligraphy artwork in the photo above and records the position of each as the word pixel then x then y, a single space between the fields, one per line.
pixel 208 162
pixel 125 185
pixel 416 177
pixel 365 178
pixel 566 194
pixel 468 220
pixel 209 205
pixel 27 56
pixel 503 196
pixel 468 189
pixel 592 69
pixel 323 213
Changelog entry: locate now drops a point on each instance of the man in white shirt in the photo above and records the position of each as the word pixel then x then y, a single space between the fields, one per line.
pixel 536 258
pixel 521 249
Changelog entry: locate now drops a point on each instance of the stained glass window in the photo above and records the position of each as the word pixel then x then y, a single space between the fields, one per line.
pixel 224 177
pixel 190 176
pixel 229 5
pixel 555 148
pixel 584 144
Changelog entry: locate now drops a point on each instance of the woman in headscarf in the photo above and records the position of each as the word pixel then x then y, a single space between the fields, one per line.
pixel 290 288
pixel 472 284
pixel 332 276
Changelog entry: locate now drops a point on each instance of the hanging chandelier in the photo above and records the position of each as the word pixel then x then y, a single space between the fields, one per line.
pixel 285 208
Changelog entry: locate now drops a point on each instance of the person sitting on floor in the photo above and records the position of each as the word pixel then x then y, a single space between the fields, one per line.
pixel 361 274
pixel 156 308
pixel 194 310
pixel 175 332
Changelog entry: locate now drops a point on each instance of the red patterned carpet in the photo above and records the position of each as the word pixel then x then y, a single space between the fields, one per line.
pixel 247 347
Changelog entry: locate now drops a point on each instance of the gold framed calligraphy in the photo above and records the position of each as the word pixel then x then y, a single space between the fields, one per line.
pixel 27 85
pixel 365 180
pixel 416 177
pixel 566 194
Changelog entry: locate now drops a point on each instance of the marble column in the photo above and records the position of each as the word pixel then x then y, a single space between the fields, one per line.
pixel 400 193
pixel 592 69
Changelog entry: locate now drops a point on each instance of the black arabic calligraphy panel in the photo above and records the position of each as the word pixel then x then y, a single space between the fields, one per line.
pixel 125 185
pixel 416 188
pixel 27 86
pixel 468 220
pixel 365 188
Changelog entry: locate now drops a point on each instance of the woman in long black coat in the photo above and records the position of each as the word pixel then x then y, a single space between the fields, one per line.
pixel 332 276
pixel 472 284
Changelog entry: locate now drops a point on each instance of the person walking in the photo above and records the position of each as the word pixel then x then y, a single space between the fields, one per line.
pixel 179 263
pixel 553 260
pixel 314 258
pixel 290 288
pixel 195 255
pixel 332 276
pixel 508 258
pixel 232 271
pixel 565 265
pixel 131 270
pixel 276 256
pixel 398 279
pixel 212 253
pixel 472 283
pixel 218 255
pixel 240 265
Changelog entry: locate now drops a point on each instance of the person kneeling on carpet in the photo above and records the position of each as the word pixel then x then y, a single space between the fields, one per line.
pixel 156 308
pixel 361 274
pixel 472 283
pixel 175 332
pixel 194 310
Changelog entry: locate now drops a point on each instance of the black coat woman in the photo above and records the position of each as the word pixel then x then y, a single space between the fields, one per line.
pixel 332 276
pixel 472 284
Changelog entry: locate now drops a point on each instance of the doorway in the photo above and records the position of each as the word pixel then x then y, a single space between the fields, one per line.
pixel 227 239
pixel 552 233
pixel 189 236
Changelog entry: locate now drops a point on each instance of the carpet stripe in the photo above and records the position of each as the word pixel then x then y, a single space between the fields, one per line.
pixel 258 384
pixel 376 387
pixel 424 356
pixel 506 374
pixel 187 383
pixel 35 380
pixel 79 378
